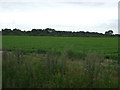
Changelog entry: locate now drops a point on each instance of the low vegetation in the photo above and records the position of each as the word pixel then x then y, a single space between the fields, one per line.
pixel 58 70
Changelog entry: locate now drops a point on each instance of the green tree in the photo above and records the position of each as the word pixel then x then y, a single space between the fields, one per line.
pixel 110 32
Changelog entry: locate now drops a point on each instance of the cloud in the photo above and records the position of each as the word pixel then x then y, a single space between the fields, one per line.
pixel 88 16
pixel 85 3
pixel 59 0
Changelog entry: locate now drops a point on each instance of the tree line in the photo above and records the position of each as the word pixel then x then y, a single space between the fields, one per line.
pixel 53 32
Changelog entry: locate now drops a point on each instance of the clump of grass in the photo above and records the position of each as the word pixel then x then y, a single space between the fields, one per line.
pixel 99 72
pixel 69 54
pixel 55 63
pixel 40 51
pixel 92 66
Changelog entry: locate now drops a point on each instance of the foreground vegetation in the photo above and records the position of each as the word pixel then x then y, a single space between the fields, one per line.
pixel 55 70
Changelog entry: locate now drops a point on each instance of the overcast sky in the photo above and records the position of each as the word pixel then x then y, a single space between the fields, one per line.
pixel 68 16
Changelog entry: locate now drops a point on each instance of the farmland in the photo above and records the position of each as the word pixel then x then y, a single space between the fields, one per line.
pixel 60 62
pixel 105 45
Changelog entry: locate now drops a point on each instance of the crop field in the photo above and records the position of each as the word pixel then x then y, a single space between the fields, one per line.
pixel 60 62
pixel 105 45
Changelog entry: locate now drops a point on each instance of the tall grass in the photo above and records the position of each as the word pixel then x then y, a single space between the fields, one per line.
pixel 58 70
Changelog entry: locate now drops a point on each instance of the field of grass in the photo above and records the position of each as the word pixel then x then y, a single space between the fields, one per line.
pixel 105 45
pixel 60 62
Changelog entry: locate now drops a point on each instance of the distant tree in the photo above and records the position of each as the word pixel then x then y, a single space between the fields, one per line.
pixel 17 31
pixel 6 31
pixel 53 32
pixel 110 32
pixel 49 30
pixel 36 32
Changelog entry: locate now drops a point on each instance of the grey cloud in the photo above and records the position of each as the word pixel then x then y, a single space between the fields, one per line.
pixel 93 4
pixel 27 6
pixel 85 3
pixel 21 6
pixel 31 6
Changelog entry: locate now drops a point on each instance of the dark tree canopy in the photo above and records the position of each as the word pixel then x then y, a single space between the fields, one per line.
pixel 110 32
pixel 53 32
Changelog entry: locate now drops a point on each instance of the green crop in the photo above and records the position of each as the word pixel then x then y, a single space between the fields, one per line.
pixel 105 45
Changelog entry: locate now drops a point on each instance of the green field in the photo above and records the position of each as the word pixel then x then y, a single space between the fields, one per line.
pixel 105 45
pixel 60 62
